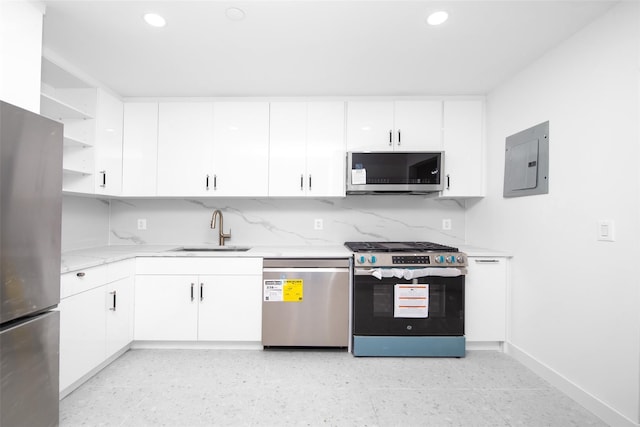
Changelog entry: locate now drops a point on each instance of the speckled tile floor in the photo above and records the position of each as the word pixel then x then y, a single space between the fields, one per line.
pixel 309 388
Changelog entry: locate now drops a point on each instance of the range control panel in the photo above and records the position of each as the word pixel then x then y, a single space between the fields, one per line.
pixel 431 259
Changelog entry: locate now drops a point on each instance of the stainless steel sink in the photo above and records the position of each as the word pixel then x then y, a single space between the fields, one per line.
pixel 212 249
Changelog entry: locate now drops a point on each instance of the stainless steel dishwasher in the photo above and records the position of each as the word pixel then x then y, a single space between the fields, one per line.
pixel 305 302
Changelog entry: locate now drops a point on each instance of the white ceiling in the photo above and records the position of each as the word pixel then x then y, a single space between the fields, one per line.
pixel 307 47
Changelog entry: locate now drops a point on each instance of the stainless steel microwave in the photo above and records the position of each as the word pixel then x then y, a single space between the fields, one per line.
pixel 395 172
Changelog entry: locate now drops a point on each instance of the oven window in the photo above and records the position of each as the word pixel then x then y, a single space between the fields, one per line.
pixel 374 304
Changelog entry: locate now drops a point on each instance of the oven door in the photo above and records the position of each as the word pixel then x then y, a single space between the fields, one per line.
pixel 427 306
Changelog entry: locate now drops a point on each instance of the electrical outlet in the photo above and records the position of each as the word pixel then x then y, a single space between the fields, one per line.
pixel 142 224
pixel 317 224
pixel 606 230
pixel 446 224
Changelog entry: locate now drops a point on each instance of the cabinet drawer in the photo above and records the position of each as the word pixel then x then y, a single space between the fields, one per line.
pixel 201 265
pixel 82 280
pixel 120 270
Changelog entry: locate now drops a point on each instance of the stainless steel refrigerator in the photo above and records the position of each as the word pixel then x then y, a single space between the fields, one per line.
pixel 30 222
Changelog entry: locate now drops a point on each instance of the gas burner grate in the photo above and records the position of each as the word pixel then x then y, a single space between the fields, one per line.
pixel 398 247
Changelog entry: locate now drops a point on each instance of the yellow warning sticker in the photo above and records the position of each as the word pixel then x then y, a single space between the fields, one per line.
pixel 292 290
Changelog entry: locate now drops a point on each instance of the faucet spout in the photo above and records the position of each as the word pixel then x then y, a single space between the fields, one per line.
pixel 221 235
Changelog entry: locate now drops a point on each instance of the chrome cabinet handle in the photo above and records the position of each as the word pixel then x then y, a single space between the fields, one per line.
pixel 399 137
pixel 81 274
pixel 448 182
pixel 113 307
pixel 192 285
pixel 104 178
pixel 207 183
pixel 301 182
pixel 215 182
pixel 309 182
pixel 390 137
pixel 201 291
pixel 487 261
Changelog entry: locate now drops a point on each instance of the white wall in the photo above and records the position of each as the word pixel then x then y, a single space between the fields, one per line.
pixel 20 53
pixel 286 221
pixel 575 301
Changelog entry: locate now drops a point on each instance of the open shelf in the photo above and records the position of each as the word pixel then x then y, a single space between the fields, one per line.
pixel 59 110
pixel 74 172
pixel 75 142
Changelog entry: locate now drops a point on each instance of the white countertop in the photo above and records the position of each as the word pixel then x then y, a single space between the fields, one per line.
pixel 87 258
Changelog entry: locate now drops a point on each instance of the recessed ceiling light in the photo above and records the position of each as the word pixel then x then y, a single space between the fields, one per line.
pixel 235 14
pixel 155 20
pixel 437 18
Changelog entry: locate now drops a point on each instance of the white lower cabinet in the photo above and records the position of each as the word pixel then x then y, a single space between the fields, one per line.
pixel 486 299
pixel 220 301
pixel 166 308
pixel 119 313
pixel 231 308
pixel 82 339
pixel 96 318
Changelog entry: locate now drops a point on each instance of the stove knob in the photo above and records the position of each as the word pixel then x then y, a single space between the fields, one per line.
pixel 439 259
pixel 451 259
pixel 373 259
pixel 460 259
pixel 361 259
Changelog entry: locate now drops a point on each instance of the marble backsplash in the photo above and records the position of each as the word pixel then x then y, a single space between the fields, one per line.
pixel 262 221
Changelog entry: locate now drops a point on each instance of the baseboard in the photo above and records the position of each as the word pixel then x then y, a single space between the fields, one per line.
pixel 486 345
pixel 197 345
pixel 599 408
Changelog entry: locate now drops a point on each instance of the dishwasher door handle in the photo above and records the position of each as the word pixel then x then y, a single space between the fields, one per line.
pixel 306 270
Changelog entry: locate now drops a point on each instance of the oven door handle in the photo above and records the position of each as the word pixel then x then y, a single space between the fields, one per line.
pixel 410 273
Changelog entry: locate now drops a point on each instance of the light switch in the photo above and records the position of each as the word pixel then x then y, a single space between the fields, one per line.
pixel 606 230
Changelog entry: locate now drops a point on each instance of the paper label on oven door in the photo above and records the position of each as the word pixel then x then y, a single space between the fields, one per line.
pixel 358 176
pixel 285 290
pixel 411 300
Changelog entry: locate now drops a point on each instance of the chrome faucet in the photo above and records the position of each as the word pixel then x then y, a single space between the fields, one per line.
pixel 221 235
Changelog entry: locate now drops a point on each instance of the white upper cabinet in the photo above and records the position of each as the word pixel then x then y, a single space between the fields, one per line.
pixel 240 165
pixel 20 52
pixel 394 125
pixel 463 147
pixel 72 102
pixel 140 149
pixel 307 149
pixel 185 143
pixel 108 144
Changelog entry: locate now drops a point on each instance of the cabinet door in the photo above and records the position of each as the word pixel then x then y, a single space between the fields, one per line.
pixel 119 312
pixel 140 149
pixel 231 308
pixel 326 152
pixel 185 141
pixel 370 125
pixel 82 334
pixel 241 149
pixel 463 136
pixel 418 125
pixel 166 308
pixel 287 149
pixel 486 299
pixel 108 149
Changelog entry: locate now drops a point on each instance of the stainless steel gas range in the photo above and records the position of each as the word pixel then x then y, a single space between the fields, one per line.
pixel 408 299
